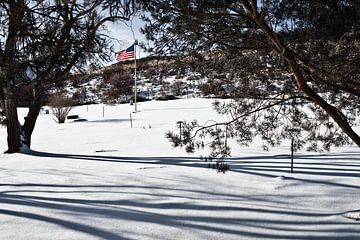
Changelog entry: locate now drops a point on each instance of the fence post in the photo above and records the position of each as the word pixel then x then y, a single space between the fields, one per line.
pixel 131 121
pixel 292 155
pixel 180 127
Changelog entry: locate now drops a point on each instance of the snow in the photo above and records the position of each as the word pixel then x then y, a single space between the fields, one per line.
pixel 102 179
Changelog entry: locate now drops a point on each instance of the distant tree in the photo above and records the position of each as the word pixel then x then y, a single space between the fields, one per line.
pixel 212 88
pixel 41 42
pixel 177 88
pixel 294 65
pixel 121 82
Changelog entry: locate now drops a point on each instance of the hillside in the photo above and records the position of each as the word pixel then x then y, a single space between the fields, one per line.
pixel 157 78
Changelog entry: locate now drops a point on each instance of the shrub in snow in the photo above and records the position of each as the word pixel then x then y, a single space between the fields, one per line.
pixel 61 106
pixel 214 88
pixel 177 88
pixel 121 83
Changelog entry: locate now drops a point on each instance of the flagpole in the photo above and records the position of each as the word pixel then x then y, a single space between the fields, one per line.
pixel 135 97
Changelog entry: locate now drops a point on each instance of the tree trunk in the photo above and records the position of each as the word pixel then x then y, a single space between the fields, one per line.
pixel 12 122
pixel 34 110
pixel 16 15
pixel 2 101
pixel 332 111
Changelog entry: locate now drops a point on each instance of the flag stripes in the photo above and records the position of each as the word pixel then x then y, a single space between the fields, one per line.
pixel 126 54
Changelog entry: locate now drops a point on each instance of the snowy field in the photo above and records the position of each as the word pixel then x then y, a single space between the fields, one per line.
pixel 102 179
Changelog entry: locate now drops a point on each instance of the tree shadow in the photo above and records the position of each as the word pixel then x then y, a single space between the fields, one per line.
pixel 324 167
pixel 346 165
pixel 114 120
pixel 93 231
pixel 169 161
pixel 257 221
pixel 202 211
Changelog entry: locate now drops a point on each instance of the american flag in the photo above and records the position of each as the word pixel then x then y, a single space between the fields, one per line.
pixel 126 54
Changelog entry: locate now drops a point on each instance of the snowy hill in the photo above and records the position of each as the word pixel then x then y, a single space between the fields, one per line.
pixel 103 179
pixel 156 79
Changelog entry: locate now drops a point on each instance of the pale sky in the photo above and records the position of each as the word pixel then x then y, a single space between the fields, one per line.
pixel 123 36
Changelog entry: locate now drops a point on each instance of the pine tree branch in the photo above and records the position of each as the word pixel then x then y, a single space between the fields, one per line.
pixel 282 101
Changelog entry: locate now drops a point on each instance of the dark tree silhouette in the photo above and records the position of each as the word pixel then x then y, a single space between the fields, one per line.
pixel 42 42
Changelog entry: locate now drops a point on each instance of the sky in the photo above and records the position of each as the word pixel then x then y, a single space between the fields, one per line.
pixel 123 36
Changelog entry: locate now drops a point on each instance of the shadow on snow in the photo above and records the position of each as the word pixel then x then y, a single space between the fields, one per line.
pixel 305 224
pixel 298 224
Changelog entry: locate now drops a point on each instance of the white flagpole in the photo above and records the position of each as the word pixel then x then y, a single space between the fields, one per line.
pixel 135 97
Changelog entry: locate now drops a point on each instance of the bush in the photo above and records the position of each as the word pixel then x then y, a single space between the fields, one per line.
pixel 212 88
pixel 61 106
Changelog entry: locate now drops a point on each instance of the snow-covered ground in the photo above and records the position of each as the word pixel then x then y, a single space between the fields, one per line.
pixel 102 179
